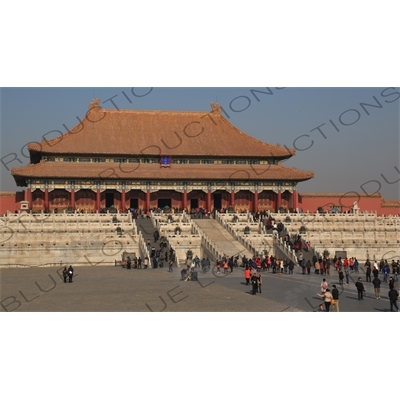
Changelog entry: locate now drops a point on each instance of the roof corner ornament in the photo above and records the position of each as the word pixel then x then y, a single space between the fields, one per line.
pixel 95 103
pixel 215 107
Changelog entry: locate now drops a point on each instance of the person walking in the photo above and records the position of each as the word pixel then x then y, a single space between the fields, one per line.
pixel 355 265
pixel 335 296
pixel 226 267
pixel 65 274
pixel 393 296
pixel 324 286
pixel 170 263
pixel 247 275
pixel 70 273
pixel 327 296
pixel 291 267
pixel 347 273
pixel 254 283
pixel 385 271
pixel 360 289
pixel 341 277
pixel 377 287
pixel 259 281
pixel 368 273
pixel 308 267
pixel 303 266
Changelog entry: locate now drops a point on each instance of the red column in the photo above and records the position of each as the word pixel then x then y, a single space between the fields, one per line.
pixel 184 205
pixel 98 200
pixel 148 199
pixel 46 199
pixel 295 199
pixel 278 200
pixel 209 200
pixel 232 198
pixel 73 198
pixel 123 200
pixel 255 205
pixel 28 197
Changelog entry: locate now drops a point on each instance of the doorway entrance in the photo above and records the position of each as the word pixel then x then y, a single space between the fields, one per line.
pixel 134 203
pixel 194 203
pixel 164 202
pixel 217 197
pixel 109 200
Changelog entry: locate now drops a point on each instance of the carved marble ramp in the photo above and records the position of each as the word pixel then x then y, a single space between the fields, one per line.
pixel 222 239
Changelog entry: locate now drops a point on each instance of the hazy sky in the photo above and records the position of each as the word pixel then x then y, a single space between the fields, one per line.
pixel 355 158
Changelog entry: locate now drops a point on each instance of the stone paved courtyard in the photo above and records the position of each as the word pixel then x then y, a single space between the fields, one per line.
pixel 117 289
pixel 97 289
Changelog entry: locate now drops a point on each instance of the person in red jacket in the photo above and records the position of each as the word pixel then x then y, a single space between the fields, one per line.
pixel 247 274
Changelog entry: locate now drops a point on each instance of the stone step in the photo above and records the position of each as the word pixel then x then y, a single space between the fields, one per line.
pixel 222 239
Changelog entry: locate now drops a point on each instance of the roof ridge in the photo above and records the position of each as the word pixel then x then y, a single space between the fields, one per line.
pixel 258 140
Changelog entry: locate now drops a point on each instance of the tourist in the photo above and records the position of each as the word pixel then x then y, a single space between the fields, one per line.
pixel 391 283
pixel 303 266
pixel 327 296
pixel 146 263
pixel 360 289
pixel 375 272
pixel 317 267
pixel 393 296
pixel 341 277
pixel 308 267
pixel 321 308
pixel 226 267
pixel 346 272
pixel 259 282
pixel 170 263
pixel 335 296
pixel 65 274
pixel 356 264
pixel 128 263
pixel 368 273
pixel 70 273
pixel 385 271
pixel 218 266
pixel 324 286
pixel 291 267
pixel 377 287
pixel 254 283
pixel 247 274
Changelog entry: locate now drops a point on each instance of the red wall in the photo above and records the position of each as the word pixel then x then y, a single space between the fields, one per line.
pixel 8 203
pixel 365 203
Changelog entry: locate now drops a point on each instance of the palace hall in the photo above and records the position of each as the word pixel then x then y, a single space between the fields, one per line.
pixel 151 159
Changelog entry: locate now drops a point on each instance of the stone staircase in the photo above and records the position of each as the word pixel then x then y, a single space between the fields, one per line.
pixel 221 238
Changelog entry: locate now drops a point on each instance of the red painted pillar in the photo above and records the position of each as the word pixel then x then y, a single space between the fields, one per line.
pixel 148 199
pixel 73 198
pixel 295 199
pixel 123 200
pixel 28 197
pixel 255 205
pixel 233 198
pixel 98 200
pixel 184 205
pixel 209 200
pixel 278 200
pixel 46 199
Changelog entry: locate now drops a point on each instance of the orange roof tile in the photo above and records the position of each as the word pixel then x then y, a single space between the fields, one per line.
pixel 154 171
pixel 156 133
